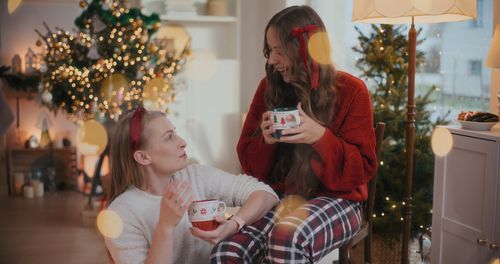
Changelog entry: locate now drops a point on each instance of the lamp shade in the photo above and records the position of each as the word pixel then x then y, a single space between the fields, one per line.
pixel 493 59
pixel 402 11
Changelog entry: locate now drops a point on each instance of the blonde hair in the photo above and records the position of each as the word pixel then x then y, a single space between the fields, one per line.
pixel 125 171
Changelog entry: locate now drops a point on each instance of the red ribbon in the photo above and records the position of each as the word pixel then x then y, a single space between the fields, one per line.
pixel 299 32
pixel 135 127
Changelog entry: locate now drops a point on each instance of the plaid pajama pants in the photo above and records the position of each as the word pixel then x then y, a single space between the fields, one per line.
pixel 305 235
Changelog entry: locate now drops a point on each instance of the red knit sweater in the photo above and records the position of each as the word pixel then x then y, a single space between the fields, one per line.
pixel 346 149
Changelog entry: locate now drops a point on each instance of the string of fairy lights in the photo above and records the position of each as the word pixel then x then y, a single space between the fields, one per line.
pixel 109 65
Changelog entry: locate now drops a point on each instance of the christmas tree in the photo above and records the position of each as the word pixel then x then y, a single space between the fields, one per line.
pixel 109 65
pixel 384 64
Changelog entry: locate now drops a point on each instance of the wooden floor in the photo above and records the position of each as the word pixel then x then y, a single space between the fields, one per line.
pixel 48 230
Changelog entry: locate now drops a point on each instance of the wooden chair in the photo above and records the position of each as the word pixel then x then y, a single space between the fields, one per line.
pixel 365 232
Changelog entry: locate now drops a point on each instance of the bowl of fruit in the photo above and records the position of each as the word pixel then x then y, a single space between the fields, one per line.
pixel 481 121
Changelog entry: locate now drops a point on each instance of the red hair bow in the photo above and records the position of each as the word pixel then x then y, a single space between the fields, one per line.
pixel 298 32
pixel 135 127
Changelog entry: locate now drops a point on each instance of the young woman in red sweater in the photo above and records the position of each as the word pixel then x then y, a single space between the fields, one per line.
pixel 327 160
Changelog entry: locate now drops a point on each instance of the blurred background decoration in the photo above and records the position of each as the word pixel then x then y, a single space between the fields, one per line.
pixel 109 64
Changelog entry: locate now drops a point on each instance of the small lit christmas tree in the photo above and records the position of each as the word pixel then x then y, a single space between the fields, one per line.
pixel 109 65
pixel 384 61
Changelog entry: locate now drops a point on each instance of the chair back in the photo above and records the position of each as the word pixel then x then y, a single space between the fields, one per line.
pixel 365 232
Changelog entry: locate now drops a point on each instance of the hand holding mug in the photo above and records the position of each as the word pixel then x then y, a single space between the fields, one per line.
pixel 267 128
pixel 284 118
pixel 224 229
pixel 308 132
pixel 202 214
pixel 174 203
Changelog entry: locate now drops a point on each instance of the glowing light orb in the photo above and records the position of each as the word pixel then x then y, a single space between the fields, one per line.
pixel 288 204
pixel 174 37
pixel 202 65
pixel 319 48
pixel 109 224
pixel 156 94
pixel 13 5
pixel 441 141
pixel 113 88
pixel 495 261
pixel 91 138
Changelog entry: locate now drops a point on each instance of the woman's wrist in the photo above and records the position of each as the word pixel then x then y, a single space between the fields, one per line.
pixel 233 226
pixel 165 228
pixel 239 222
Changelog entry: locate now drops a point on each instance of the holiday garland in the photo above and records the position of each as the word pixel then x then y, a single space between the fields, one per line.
pixel 19 81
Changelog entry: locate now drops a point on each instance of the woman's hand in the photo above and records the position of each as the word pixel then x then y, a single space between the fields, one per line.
pixel 225 229
pixel 174 204
pixel 308 132
pixel 267 128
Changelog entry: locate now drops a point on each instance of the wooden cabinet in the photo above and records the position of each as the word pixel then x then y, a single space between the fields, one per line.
pixel 466 207
pixel 36 163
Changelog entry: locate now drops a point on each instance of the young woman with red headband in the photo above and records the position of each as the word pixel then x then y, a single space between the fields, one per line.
pixel 152 185
pixel 327 160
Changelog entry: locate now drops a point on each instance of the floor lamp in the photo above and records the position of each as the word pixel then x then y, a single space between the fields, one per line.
pixel 404 12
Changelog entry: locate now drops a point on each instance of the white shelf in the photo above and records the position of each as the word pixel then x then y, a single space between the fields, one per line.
pixel 217 19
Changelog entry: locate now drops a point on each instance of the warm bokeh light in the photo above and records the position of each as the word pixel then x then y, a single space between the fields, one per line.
pixel 175 36
pixel 202 65
pixel 441 141
pixel 109 224
pixel 91 138
pixel 289 204
pixel 13 5
pixel 495 261
pixel 156 94
pixel 286 214
pixel 319 48
pixel 113 88
pixel 89 165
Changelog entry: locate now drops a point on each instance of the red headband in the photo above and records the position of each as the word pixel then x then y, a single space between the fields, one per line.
pixel 135 127
pixel 299 32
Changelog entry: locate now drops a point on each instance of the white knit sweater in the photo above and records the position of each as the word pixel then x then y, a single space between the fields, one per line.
pixel 139 212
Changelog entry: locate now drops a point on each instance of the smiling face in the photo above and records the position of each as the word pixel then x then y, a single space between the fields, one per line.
pixel 277 58
pixel 166 149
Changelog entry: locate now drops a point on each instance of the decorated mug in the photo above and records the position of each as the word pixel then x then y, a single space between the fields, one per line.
pixel 281 119
pixel 202 213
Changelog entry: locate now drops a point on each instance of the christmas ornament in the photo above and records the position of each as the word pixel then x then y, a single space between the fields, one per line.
pixel 43 67
pixel 44 123
pixel 46 97
pixel 40 87
pixel 107 5
pixel 93 53
pixel 38 43
pixel 97 24
pixel 83 4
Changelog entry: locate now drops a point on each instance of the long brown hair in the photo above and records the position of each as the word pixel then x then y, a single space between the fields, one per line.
pixel 125 171
pixel 292 162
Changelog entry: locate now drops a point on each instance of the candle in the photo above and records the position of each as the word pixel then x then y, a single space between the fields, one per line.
pixel 38 186
pixel 28 191
pixel 18 183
